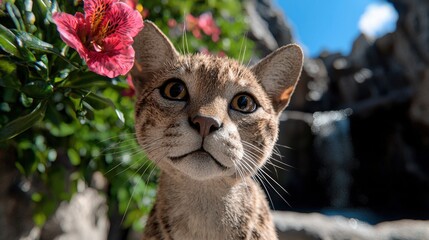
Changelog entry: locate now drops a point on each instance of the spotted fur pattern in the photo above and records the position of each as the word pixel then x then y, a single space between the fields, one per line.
pixel 205 188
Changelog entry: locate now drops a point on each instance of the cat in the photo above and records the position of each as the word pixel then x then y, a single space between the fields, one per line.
pixel 209 124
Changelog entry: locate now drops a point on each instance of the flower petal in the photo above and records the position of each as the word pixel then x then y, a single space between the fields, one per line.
pixel 123 20
pixel 69 26
pixel 115 59
pixel 95 10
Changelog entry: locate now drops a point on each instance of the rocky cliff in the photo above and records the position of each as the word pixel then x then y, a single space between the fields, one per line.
pixel 358 126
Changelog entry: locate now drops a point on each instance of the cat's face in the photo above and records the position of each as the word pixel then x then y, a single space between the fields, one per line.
pixel 203 116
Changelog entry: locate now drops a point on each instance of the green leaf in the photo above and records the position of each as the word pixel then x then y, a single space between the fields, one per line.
pixel 73 156
pixel 7 66
pixel 39 219
pixel 61 130
pixel 25 100
pixel 15 15
pixel 98 102
pixel 23 123
pixel 20 168
pixel 36 197
pixel 42 7
pixel 10 82
pixel 7 77
pixel 25 52
pixel 7 41
pixel 85 80
pixel 33 42
pixel 42 69
pixel 38 89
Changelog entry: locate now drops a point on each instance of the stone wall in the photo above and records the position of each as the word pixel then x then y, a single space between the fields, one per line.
pixel 357 128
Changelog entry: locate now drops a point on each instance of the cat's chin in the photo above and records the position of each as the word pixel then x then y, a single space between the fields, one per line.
pixel 201 165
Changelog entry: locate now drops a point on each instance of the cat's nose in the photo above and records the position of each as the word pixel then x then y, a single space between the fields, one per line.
pixel 205 125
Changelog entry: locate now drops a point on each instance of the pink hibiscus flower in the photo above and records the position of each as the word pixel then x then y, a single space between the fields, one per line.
pixel 103 37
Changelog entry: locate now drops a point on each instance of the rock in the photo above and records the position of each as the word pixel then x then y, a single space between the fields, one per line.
pixel 419 110
pixel 84 217
pixel 314 226
pixel 268 27
pixel 359 49
pixel 414 20
pixel 384 84
pixel 293 226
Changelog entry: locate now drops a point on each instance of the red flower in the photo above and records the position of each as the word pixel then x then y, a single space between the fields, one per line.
pixel 192 25
pixel 171 23
pixel 103 37
pixel 208 25
pixel 131 91
pixel 131 3
pixel 204 22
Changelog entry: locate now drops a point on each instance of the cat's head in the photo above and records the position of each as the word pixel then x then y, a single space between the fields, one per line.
pixel 207 117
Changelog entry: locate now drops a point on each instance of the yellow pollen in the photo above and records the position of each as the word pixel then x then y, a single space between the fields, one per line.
pixel 139 7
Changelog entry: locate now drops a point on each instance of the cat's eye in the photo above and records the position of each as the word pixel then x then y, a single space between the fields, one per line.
pixel 243 103
pixel 174 89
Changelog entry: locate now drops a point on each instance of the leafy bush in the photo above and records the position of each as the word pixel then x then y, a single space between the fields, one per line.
pixel 63 122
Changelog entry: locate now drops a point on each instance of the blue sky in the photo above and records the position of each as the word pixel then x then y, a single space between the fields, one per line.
pixel 334 24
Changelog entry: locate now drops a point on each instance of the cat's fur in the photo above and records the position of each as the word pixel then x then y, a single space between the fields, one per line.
pixel 207 150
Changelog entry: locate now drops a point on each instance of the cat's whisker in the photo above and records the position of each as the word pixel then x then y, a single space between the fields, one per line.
pixel 241 174
pixel 261 182
pixel 119 149
pixel 244 167
pixel 273 180
pixel 281 163
pixel 257 176
pixel 117 145
pixel 283 146
pixel 110 150
pixel 146 151
pixel 242 54
pixel 257 154
pixel 118 136
pixel 253 158
pixel 132 194
pixel 275 189
pixel 141 176
pixel 237 170
pixel 263 174
pixel 271 158
pixel 126 169
pixel 244 163
pixel 272 161
pixel 185 44
pixel 153 166
pixel 253 146
pixel 277 152
pixel 275 165
pixel 241 50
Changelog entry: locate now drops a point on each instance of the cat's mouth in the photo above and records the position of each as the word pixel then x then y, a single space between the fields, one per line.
pixel 199 153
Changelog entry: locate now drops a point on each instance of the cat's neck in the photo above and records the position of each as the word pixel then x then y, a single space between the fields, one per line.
pixel 213 189
pixel 193 205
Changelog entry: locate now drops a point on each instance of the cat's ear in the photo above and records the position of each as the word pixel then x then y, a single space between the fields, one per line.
pixel 152 51
pixel 279 72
